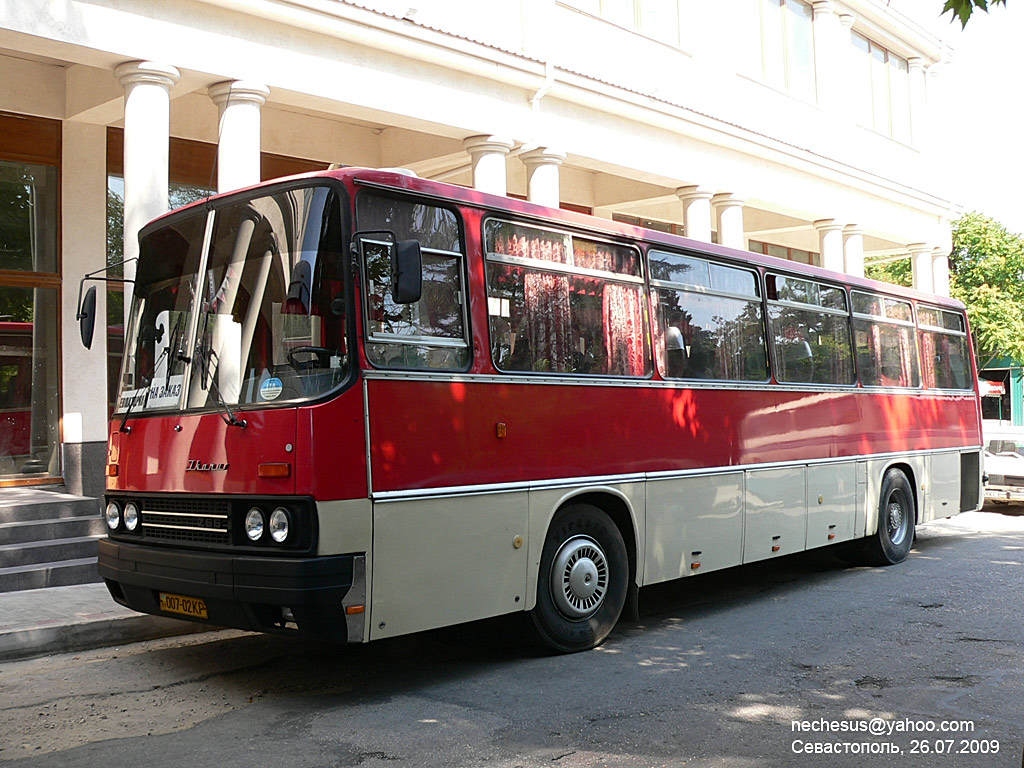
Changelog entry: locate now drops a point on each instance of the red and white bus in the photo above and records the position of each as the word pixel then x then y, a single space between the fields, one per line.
pixel 358 404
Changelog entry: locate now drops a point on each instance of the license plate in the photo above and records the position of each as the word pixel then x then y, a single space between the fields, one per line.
pixel 186 606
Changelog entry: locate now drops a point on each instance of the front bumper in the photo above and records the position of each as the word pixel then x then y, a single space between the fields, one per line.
pixel 1004 493
pixel 320 597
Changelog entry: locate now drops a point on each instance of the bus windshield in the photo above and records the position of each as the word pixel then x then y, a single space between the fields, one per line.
pixel 259 319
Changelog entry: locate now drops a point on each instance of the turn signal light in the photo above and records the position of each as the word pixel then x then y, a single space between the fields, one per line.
pixel 274 470
pixel 112 470
pixel 352 610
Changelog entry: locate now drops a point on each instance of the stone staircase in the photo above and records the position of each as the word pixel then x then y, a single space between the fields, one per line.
pixel 48 538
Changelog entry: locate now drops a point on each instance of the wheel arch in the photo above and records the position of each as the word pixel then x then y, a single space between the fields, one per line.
pixel 911 476
pixel 620 508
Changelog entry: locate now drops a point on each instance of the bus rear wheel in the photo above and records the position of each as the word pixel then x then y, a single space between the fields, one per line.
pixel 584 573
pixel 892 542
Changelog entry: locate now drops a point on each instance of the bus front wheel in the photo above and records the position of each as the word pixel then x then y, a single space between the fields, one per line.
pixel 583 579
pixel 891 543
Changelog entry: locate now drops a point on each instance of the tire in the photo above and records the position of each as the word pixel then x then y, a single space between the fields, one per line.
pixel 582 583
pixel 896 513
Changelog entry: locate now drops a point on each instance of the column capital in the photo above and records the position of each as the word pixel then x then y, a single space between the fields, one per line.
pixel 543 156
pixel 238 92
pixel 694 192
pixel 827 225
pixel 480 144
pixel 823 6
pixel 853 230
pixel 916 248
pixel 727 200
pixel 151 72
pixel 847 20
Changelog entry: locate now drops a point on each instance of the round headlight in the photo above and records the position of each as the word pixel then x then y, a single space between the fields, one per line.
pixel 254 524
pixel 131 515
pixel 280 523
pixel 113 515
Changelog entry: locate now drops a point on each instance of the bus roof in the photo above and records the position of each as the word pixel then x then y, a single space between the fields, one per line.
pixel 404 181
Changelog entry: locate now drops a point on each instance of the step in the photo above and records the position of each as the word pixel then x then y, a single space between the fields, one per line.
pixel 39 552
pixel 40 575
pixel 50 530
pixel 21 504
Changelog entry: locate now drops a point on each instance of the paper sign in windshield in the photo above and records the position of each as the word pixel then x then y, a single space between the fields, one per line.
pixel 271 388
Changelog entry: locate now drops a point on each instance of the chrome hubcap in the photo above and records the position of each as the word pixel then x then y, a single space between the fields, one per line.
pixel 897 521
pixel 579 577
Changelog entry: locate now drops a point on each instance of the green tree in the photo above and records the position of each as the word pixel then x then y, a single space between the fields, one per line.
pixel 962 9
pixel 987 274
pixel 898 272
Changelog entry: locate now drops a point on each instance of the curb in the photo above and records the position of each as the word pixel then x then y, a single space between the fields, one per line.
pixel 100 632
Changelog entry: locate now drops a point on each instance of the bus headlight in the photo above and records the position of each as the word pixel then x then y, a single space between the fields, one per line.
pixel 131 515
pixel 280 525
pixel 113 516
pixel 254 524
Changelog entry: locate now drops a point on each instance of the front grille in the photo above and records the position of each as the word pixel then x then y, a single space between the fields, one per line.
pixel 188 520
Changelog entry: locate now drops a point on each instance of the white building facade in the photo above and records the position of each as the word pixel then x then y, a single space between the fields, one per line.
pixel 807 130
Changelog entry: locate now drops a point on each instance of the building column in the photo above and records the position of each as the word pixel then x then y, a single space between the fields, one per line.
pixel 729 219
pixel 542 166
pixel 940 271
pixel 696 202
pixel 238 143
pixel 83 249
pixel 828 52
pixel 921 263
pixel 147 129
pixel 853 250
pixel 830 244
pixel 918 102
pixel 488 155
pixel 847 67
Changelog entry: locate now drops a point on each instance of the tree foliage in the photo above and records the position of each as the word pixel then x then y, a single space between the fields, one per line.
pixel 962 9
pixel 987 274
pixel 898 272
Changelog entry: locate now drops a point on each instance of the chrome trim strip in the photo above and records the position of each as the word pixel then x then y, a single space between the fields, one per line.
pixel 679 384
pixel 636 477
pixel 416 341
pixel 366 432
pixel 356 595
pixel 182 514
pixel 562 269
pixel 701 290
pixel 185 528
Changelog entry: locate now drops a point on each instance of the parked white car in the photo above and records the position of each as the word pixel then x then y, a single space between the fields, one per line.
pixel 1004 463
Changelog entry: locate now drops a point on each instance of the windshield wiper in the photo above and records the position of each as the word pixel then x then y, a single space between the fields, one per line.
pixel 144 390
pixel 202 356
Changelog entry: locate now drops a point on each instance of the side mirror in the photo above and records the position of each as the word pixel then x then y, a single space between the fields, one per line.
pixel 87 316
pixel 406 272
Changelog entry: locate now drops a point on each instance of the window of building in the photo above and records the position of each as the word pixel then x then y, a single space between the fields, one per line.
pixel 657 19
pixel 708 322
pixel 787 47
pixel 658 226
pixel 810 331
pixel 782 252
pixel 945 358
pixel 30 286
pixel 883 335
pixel 564 304
pixel 881 89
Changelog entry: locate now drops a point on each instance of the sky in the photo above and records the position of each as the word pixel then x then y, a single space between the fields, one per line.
pixel 985 90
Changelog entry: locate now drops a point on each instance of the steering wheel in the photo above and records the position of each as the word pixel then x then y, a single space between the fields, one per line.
pixel 318 357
